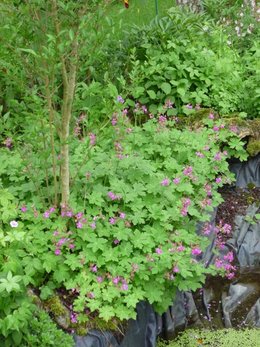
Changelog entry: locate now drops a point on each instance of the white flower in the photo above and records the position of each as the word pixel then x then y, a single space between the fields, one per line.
pixel 14 224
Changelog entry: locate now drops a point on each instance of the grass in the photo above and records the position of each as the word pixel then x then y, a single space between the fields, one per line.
pixel 140 12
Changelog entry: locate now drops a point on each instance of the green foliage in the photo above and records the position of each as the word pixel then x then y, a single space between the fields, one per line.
pixel 15 306
pixel 44 332
pixel 130 232
pixel 186 73
pixel 218 338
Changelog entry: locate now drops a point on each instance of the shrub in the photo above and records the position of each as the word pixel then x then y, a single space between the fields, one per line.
pixel 44 332
pixel 129 234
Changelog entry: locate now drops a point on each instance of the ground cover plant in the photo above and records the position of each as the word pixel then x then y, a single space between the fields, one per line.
pixel 220 338
pixel 101 185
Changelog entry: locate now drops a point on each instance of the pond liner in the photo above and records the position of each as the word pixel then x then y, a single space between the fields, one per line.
pixel 235 304
pixel 141 332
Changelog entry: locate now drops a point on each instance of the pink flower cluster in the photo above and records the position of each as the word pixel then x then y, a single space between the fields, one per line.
pixel 78 126
pixel 63 241
pixel 168 104
pixel 8 142
pixel 185 204
pixel 188 171
pixel 80 220
pixel 196 251
pixel 73 317
pixel 165 182
pixel 47 213
pixel 92 138
pixel 120 282
pixel 113 196
pixel 200 155
pixel 226 264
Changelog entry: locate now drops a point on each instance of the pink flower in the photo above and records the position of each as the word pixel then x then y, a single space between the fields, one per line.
pixel 69 214
pixel 73 318
pixel 200 155
pixel 187 171
pixel 99 279
pixel 93 226
pixel 23 208
pixel 206 148
pixel 144 109
pixel 91 295
pixel 176 180
pixel 230 275
pixel 158 250
pixel 207 229
pixel 79 225
pixel 114 121
pixel 118 146
pixel 176 269
pixel 14 224
pixel 122 215
pixel 226 229
pixel 71 246
pixel 218 156
pixel 55 233
pixel 57 251
pixel 165 182
pixel 124 286
pixel 168 104
pixel 8 142
pixel 116 241
pixel 211 116
pixel 46 214
pixel 229 257
pixel 233 128
pixel 93 268
pixel 162 120
pixel 196 251
pixel 189 106
pixel 79 215
pixel 52 209
pixel 112 220
pixel 113 196
pixel 216 128
pixel 180 248
pixel 218 263
pixel 120 99
pixel 116 280
pixel 92 138
pixel 218 179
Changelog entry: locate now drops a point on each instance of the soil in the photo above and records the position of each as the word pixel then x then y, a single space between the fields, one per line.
pixel 236 202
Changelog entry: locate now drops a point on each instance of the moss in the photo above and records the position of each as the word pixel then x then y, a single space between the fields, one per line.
pixel 253 147
pixel 81 329
pixel 55 306
pixel 99 323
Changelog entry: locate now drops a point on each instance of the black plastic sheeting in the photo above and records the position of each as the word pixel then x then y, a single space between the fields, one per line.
pixel 220 304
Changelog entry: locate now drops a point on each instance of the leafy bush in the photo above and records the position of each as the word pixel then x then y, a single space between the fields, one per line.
pixel 130 233
pixel 15 306
pixel 187 74
pixel 44 332
pixel 218 338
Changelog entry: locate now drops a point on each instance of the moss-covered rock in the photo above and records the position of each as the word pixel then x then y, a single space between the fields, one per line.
pixel 60 312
